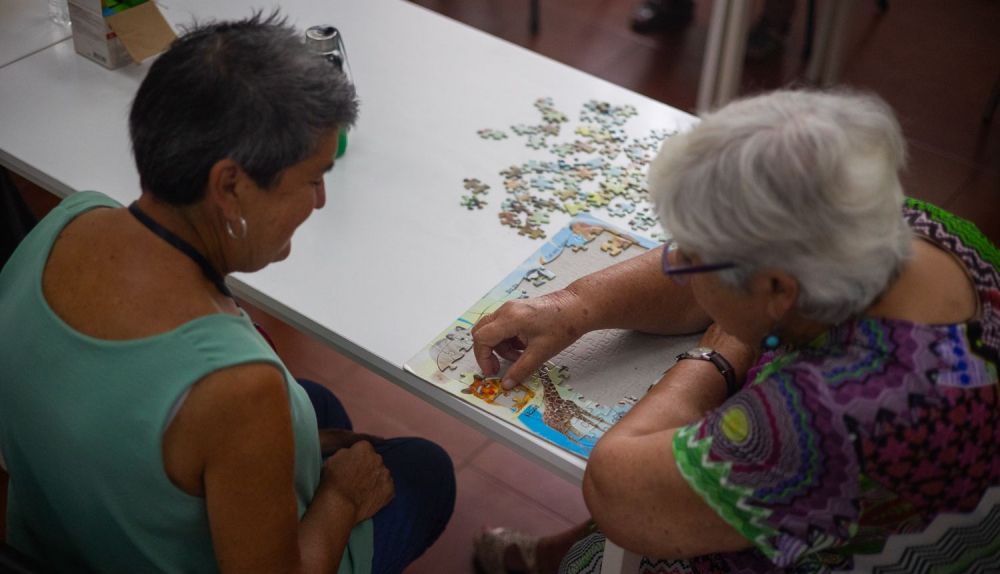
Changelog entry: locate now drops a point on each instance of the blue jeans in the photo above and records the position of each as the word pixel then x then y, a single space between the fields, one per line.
pixel 424 479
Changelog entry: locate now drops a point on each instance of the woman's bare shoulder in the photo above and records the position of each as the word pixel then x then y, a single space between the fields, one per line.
pixel 109 278
pixel 934 288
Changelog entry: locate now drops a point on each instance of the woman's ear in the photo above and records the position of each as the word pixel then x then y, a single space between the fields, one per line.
pixel 225 180
pixel 781 291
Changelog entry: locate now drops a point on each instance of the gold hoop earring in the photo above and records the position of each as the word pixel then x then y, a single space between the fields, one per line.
pixel 243 228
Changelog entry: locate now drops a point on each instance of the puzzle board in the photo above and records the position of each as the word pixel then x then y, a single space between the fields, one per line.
pixel 588 387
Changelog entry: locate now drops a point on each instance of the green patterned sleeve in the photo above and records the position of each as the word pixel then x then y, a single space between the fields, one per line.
pixel 776 463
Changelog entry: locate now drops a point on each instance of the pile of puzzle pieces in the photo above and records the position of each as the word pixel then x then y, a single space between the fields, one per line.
pixel 598 167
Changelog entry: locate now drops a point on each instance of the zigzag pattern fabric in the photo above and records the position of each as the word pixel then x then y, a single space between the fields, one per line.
pixel 586 556
pixel 874 448
pixel 970 543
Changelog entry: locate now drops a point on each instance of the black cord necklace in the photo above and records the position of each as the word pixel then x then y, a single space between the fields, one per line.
pixel 184 247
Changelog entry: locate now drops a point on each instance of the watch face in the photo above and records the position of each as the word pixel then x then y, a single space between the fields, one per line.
pixel 700 352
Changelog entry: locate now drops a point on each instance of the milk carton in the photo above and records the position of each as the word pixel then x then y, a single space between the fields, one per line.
pixel 116 32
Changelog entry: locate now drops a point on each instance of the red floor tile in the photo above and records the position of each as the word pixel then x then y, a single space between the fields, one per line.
pixel 375 404
pixel 581 44
pixel 935 63
pixel 304 356
pixel 483 501
pixel 536 484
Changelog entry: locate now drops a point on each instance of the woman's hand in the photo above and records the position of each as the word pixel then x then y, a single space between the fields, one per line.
pixel 528 332
pixel 739 355
pixel 357 476
pixel 332 440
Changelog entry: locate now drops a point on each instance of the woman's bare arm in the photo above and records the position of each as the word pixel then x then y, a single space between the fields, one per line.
pixel 632 485
pixel 232 442
pixel 633 294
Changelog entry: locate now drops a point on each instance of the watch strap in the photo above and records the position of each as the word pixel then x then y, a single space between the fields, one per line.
pixel 720 362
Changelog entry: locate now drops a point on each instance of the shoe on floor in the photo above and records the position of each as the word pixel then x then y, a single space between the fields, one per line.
pixel 491 549
pixel 658 15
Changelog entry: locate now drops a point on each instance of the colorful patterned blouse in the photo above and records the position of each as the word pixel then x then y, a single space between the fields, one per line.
pixel 876 448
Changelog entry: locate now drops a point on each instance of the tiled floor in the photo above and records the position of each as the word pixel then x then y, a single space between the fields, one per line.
pixel 934 62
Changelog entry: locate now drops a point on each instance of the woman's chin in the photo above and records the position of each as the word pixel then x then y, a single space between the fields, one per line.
pixel 284 253
pixel 279 256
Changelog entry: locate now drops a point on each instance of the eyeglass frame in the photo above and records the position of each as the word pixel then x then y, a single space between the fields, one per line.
pixel 679 274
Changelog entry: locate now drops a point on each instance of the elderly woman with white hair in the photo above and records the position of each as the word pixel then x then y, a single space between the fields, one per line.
pixel 841 410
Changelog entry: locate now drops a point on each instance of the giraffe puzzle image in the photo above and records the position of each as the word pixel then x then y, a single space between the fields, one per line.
pixel 564 415
pixel 546 405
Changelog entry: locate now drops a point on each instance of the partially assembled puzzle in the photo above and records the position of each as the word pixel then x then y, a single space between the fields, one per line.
pixel 595 166
pixel 576 397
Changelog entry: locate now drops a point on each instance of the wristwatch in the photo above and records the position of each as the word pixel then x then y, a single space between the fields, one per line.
pixel 720 362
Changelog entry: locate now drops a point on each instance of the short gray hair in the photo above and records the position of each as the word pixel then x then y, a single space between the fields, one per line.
pixel 246 90
pixel 805 182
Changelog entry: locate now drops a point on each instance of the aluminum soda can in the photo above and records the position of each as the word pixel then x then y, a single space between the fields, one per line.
pixel 327 42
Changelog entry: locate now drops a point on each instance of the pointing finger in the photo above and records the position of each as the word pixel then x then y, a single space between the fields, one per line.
pixel 529 362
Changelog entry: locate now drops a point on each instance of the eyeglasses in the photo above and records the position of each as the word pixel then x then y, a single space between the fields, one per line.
pixel 676 267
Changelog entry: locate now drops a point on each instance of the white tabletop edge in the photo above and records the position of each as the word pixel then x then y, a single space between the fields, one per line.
pixel 35 175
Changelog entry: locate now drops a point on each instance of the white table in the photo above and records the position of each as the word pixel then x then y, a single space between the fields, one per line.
pixel 393 257
pixel 25 28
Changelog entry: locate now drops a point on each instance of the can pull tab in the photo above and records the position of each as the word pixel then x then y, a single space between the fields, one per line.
pixel 327 41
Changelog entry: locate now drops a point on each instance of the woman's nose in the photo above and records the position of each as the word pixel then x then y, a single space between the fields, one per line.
pixel 321 195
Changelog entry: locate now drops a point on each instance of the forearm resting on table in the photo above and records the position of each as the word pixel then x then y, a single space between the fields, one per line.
pixel 635 294
pixel 685 394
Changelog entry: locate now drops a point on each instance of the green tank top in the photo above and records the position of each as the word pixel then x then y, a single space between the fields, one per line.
pixel 82 421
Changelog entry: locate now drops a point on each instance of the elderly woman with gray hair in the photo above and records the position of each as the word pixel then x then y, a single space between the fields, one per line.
pixel 841 411
pixel 146 425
